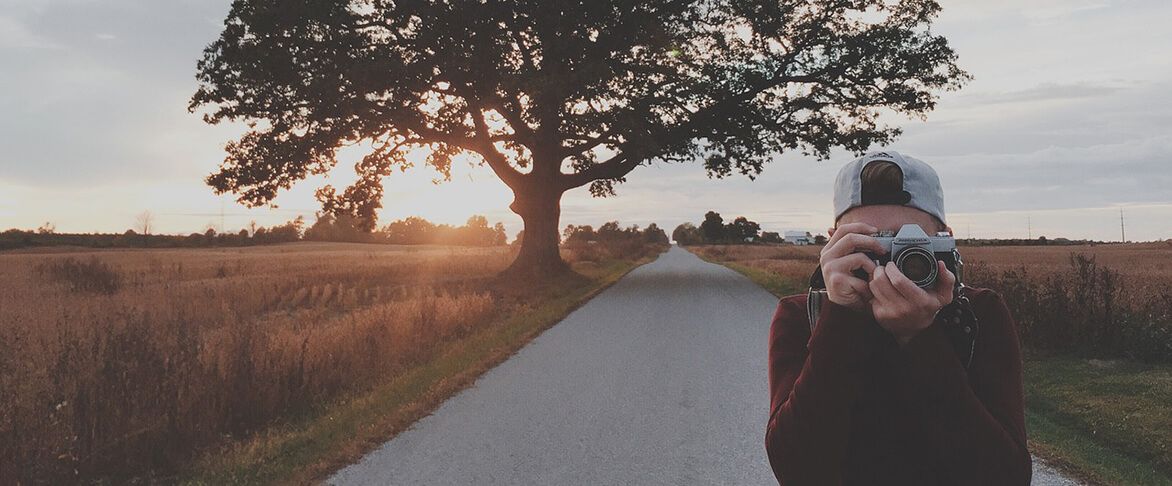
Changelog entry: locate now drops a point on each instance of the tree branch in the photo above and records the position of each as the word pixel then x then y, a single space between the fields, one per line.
pixel 483 145
pixel 613 168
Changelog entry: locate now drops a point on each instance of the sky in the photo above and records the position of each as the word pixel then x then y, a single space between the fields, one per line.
pixel 1065 126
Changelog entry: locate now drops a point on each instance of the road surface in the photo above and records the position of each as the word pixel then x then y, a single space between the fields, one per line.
pixel 659 379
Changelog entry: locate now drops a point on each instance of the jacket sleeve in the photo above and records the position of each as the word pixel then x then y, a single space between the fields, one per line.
pixel 976 420
pixel 813 381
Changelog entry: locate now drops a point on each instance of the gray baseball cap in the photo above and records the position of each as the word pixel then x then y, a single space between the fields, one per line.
pixel 921 185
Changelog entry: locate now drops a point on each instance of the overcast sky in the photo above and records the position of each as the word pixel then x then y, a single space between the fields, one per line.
pixel 1066 122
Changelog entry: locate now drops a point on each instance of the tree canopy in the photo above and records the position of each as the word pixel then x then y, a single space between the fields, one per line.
pixel 554 95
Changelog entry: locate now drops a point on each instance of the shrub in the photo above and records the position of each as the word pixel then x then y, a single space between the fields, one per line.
pixel 89 276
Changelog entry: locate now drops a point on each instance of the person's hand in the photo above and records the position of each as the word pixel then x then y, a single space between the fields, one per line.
pixel 843 254
pixel 903 308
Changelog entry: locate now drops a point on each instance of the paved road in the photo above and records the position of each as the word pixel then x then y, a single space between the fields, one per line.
pixel 660 379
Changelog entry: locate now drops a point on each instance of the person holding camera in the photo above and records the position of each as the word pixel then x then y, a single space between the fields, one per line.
pixel 890 370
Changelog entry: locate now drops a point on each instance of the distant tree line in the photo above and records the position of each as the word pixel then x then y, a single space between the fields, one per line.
pixel 414 230
pixel 410 231
pixel 47 235
pixel 609 241
pixel 713 230
pixel 610 232
pixel 1039 241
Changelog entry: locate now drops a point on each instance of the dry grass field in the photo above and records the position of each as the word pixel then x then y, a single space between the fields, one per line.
pixel 1100 300
pixel 115 362
pixel 1145 267
pixel 1103 301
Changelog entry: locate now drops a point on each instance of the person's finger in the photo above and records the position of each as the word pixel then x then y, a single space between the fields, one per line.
pixel 848 287
pixel 908 289
pixel 860 288
pixel 852 243
pixel 944 284
pixel 851 262
pixel 880 286
pixel 841 231
pixel 882 307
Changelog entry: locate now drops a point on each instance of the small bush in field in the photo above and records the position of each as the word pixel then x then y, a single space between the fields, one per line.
pixel 585 251
pixel 84 276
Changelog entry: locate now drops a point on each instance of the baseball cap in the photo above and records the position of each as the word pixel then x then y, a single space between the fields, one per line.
pixel 921 185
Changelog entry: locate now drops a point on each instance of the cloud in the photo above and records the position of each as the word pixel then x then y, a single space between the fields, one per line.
pixel 1037 11
pixel 15 35
pixel 1057 10
pixel 93 111
pixel 1047 92
pixel 1131 171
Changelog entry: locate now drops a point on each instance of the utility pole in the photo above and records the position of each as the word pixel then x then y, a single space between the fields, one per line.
pixel 1122 234
pixel 1029 227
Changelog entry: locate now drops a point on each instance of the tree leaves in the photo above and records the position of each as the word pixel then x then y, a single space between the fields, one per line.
pixel 526 84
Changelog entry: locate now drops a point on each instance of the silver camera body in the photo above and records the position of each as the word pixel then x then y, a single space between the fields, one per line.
pixel 915 253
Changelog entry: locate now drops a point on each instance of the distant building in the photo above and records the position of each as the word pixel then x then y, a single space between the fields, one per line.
pixel 798 238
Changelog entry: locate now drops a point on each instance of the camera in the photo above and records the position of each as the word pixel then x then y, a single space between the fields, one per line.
pixel 915 254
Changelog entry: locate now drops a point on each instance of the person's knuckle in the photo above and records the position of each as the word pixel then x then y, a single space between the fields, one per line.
pixel 831 265
pixel 832 280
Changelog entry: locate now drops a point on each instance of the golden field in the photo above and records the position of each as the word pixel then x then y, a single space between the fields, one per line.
pixel 1147 266
pixel 116 362
pixel 1106 300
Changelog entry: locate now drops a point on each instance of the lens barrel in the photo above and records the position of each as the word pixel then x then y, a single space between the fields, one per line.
pixel 918 265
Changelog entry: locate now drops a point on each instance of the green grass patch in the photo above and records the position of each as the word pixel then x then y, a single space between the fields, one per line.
pixel 1106 420
pixel 309 448
pixel 1068 449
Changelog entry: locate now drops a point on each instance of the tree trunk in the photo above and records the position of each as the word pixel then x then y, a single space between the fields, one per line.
pixel 539 258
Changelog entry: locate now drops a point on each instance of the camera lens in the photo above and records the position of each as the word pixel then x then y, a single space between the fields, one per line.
pixel 918 265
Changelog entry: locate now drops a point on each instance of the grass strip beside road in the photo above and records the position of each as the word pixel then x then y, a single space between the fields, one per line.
pixel 1109 422
pixel 1103 422
pixel 773 282
pixel 308 449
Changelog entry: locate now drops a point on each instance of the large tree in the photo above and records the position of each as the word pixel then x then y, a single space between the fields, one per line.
pixel 713 227
pixel 555 95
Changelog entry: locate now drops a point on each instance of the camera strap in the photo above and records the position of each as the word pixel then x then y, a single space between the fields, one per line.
pixel 958 319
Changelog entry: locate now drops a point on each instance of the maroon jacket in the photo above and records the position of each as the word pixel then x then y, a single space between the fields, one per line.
pixel 850 407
